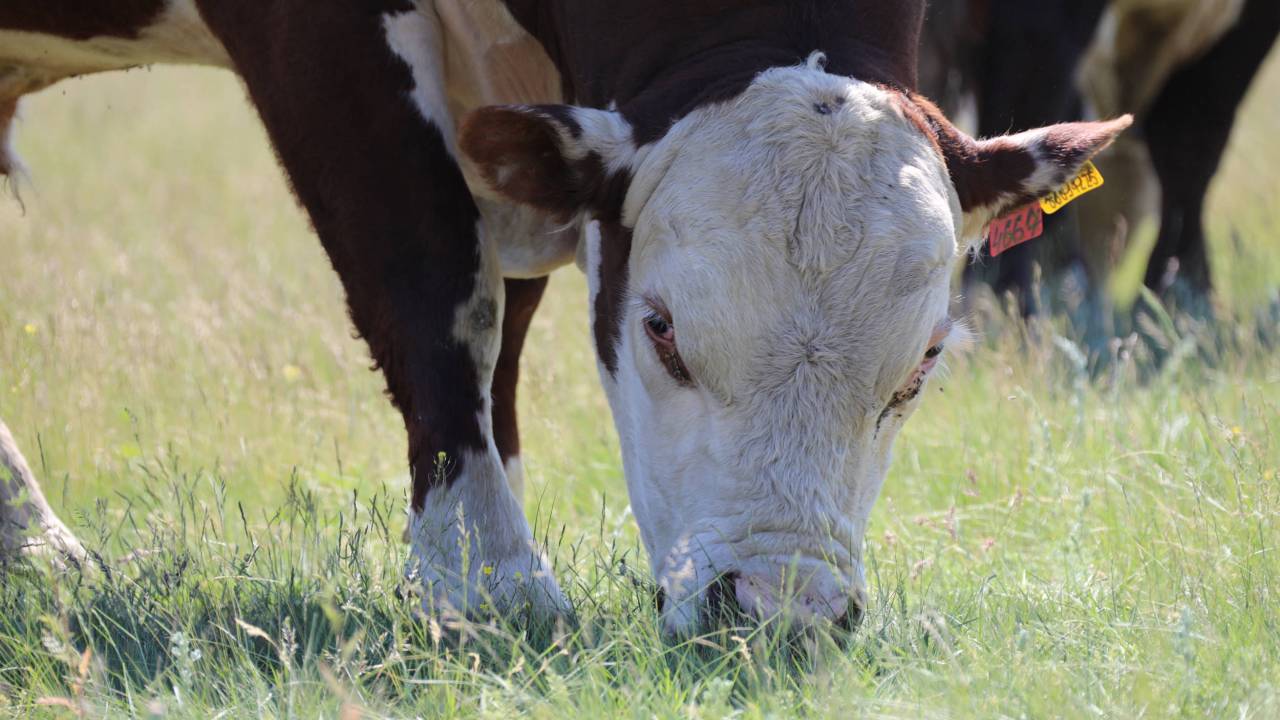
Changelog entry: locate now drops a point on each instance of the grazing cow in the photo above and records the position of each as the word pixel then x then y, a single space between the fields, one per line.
pixel 767 213
pixel 1181 66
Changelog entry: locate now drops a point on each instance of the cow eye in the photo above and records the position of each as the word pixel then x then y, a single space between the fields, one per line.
pixel 933 352
pixel 659 328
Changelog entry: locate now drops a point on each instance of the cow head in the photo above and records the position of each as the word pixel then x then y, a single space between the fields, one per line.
pixel 770 285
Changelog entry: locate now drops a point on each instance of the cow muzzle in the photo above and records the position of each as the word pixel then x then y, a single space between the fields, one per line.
pixel 812 603
pixel 780 595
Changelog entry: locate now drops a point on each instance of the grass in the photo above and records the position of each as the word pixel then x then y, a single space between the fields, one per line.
pixel 175 359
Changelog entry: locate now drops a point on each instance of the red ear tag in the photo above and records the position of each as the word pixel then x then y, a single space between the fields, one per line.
pixel 1025 223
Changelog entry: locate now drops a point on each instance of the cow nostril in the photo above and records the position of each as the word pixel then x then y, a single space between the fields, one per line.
pixel 851 620
pixel 722 600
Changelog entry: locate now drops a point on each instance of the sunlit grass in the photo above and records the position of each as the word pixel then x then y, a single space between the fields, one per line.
pixel 176 361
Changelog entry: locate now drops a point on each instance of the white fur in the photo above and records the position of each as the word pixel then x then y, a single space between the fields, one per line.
pixel 12 169
pixel 1047 177
pixel 415 36
pixel 605 133
pixel 515 477
pixel 27 524
pixel 179 35
pixel 471 545
pixel 530 245
pixel 805 259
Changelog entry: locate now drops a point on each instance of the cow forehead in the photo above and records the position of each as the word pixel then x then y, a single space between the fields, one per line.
pixel 805 224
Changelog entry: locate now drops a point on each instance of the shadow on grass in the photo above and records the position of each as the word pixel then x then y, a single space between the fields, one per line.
pixel 203 603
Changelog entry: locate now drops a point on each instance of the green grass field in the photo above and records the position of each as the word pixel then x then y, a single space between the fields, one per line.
pixel 176 362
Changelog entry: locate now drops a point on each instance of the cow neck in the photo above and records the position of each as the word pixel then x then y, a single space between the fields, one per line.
pixel 656 62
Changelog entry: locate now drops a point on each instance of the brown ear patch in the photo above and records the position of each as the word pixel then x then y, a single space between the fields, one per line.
pixel 979 178
pixel 990 174
pixel 518 153
pixel 538 156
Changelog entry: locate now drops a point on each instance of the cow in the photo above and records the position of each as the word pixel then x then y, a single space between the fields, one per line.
pixel 767 212
pixel 1182 67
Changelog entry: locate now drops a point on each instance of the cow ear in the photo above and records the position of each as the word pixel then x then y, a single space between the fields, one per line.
pixel 995 176
pixel 560 159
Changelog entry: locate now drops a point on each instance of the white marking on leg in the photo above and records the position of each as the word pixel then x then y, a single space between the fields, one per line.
pixel 471 543
pixel 472 546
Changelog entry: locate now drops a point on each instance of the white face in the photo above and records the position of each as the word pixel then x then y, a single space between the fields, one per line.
pixel 786 297
pixel 769 301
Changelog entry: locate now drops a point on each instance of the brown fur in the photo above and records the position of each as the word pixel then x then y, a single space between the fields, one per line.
pixel 388 202
pixel 659 60
pixel 80 19
pixel 992 173
pixel 615 248
pixel 523 297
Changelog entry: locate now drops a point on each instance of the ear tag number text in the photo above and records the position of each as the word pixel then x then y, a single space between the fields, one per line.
pixel 1025 223
pixel 1087 181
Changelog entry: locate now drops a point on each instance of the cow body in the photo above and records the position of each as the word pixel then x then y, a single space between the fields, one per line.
pixel 1181 66
pixel 421 255
pixel 766 212
pixel 1184 69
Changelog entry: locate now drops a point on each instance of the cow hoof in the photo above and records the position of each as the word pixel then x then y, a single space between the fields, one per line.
pixel 522 584
pixel 472 553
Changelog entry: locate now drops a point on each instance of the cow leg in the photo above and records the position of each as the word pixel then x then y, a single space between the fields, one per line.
pixel 27 524
pixel 10 167
pixel 523 297
pixel 8 113
pixel 352 97
pixel 1187 130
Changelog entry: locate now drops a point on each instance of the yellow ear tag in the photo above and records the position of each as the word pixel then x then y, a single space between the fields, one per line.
pixel 1088 180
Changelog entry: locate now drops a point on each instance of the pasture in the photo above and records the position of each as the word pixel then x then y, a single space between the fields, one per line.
pixel 176 362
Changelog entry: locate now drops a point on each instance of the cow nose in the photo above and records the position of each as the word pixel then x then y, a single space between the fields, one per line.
pixel 722 603
pixel 820 600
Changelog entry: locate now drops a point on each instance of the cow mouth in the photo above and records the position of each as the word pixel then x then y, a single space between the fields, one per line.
pixel 719 609
pixel 720 606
